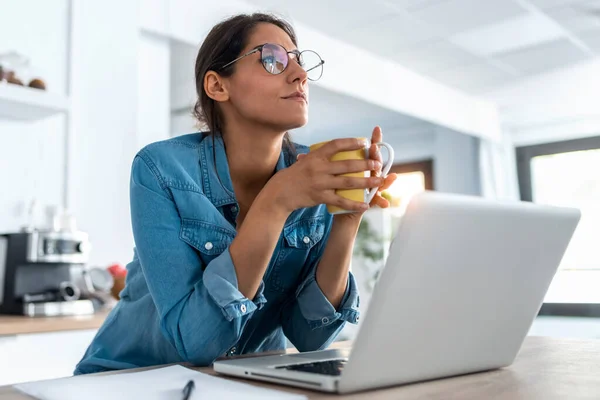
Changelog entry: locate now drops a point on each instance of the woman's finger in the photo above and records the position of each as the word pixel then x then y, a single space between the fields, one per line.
pixel 376 136
pixel 380 201
pixel 375 154
pixel 388 181
pixel 350 182
pixel 344 203
pixel 350 166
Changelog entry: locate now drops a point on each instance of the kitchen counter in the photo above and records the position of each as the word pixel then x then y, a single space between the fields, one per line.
pixel 17 325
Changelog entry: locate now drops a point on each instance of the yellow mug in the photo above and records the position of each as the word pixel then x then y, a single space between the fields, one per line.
pixel 364 195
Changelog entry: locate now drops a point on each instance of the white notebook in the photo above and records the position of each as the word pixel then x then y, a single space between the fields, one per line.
pixel 158 384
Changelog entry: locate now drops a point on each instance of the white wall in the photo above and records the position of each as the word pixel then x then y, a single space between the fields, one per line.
pixel 556 106
pixel 456 164
pixel 416 147
pixel 183 87
pixel 32 154
pixel 104 98
pixel 153 88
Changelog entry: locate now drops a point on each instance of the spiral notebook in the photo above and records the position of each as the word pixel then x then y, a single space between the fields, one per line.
pixel 158 384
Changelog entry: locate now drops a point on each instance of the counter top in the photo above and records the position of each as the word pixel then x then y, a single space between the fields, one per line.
pixel 546 369
pixel 16 324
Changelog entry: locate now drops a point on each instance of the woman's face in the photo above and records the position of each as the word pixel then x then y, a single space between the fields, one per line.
pixel 264 98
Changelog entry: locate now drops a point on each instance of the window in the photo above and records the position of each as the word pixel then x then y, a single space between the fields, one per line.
pixel 413 178
pixel 568 174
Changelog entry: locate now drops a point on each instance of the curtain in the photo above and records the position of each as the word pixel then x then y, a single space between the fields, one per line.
pixel 498 169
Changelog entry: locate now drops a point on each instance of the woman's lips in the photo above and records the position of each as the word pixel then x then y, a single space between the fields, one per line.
pixel 297 96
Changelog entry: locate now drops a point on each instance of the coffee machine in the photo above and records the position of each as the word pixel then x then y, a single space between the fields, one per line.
pixel 42 273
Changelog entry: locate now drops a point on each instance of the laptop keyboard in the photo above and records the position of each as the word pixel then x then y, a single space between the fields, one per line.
pixel 329 367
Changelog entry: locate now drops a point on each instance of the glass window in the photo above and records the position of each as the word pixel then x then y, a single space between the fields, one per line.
pixel 567 174
pixel 572 179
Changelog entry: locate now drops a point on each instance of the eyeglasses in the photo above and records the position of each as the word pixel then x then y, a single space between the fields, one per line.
pixel 275 59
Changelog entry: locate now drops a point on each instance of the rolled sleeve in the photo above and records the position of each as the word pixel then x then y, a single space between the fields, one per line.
pixel 318 310
pixel 221 283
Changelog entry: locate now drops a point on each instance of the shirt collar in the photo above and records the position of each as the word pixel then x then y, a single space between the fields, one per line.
pixel 216 180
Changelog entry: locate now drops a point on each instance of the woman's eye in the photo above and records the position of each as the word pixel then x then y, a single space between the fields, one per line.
pixel 298 59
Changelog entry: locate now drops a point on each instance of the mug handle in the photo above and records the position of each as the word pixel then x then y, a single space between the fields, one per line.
pixel 385 169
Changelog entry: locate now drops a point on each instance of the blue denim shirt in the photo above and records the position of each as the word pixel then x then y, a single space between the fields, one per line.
pixel 181 301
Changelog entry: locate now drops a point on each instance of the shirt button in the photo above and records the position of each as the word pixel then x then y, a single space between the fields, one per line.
pixel 208 246
pixel 232 351
pixel 234 209
pixel 357 318
pixel 325 320
pixel 243 308
pixel 306 240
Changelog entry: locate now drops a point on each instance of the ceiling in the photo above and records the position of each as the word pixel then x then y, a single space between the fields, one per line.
pixel 471 45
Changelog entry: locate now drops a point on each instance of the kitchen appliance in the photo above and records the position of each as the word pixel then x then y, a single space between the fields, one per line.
pixel 43 273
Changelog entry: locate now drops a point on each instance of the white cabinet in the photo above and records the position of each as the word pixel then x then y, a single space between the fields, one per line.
pixel 31 357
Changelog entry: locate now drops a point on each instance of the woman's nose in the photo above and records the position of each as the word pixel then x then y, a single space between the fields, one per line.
pixel 297 72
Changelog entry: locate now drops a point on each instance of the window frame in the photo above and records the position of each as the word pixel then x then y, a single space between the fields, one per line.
pixel 524 154
pixel 425 166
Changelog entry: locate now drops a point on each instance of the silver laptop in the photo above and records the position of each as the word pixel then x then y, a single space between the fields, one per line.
pixel 464 280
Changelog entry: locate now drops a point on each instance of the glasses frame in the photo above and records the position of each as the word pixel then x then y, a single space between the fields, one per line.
pixel 296 52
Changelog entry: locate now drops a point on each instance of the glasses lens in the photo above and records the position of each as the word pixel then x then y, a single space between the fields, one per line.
pixel 312 64
pixel 274 58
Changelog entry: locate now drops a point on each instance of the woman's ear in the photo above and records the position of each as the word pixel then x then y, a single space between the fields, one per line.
pixel 214 86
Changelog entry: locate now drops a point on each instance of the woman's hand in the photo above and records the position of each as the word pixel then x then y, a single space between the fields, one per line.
pixel 375 154
pixel 313 179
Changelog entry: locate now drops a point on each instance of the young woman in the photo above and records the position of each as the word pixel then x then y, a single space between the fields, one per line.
pixel 235 250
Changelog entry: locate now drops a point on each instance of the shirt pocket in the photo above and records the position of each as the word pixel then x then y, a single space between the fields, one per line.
pixel 299 239
pixel 202 225
pixel 209 239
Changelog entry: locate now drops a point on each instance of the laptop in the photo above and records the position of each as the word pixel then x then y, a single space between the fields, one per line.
pixel 463 282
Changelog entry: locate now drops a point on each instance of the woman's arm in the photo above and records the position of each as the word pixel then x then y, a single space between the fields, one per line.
pixel 332 270
pixel 309 319
pixel 202 314
pixel 253 247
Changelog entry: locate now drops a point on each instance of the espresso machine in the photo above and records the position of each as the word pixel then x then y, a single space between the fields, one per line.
pixel 43 273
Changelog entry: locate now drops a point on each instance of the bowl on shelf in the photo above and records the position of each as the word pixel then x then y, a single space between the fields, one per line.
pixel 15 69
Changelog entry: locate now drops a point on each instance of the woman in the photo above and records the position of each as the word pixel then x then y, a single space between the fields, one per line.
pixel 235 250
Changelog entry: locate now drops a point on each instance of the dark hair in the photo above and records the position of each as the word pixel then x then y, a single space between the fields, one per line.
pixel 223 44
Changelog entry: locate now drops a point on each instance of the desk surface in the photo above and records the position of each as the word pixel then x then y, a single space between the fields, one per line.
pixel 17 324
pixel 546 369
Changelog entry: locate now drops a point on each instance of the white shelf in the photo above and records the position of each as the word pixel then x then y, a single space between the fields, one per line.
pixel 21 103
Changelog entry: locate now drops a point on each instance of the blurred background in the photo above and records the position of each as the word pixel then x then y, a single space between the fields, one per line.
pixel 494 98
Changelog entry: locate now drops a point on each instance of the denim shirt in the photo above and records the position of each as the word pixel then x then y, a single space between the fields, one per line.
pixel 181 301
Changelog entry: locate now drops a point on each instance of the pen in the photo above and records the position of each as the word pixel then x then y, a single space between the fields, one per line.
pixel 187 390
